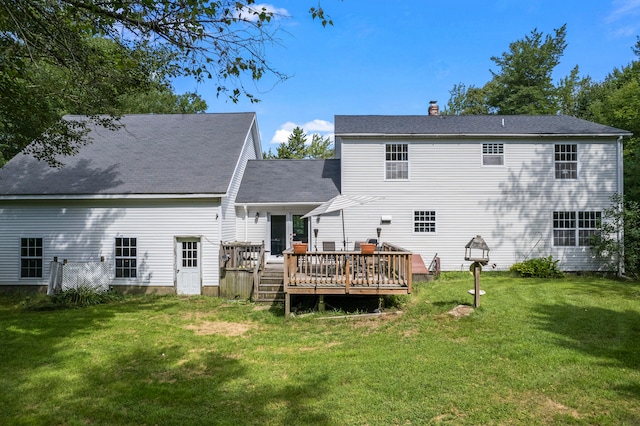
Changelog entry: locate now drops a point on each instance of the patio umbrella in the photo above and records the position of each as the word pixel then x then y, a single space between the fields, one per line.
pixel 339 203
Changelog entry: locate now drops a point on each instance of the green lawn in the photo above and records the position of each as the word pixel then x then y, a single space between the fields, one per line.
pixel 536 352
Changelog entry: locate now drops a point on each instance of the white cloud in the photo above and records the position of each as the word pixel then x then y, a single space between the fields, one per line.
pixel 321 127
pixel 623 9
pixel 248 11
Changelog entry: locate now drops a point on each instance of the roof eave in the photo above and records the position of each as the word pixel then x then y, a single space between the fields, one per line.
pixel 37 197
pixel 479 135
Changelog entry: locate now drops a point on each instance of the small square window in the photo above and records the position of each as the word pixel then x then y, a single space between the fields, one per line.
pixel 492 154
pixel 424 221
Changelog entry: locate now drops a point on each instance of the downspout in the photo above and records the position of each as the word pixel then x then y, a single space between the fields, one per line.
pixel 246 222
pixel 620 191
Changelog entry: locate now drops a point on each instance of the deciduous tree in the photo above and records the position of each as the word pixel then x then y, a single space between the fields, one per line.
pixel 87 56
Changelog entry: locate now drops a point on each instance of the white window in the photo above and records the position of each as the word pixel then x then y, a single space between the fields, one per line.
pixel 564 228
pixel 126 257
pixel 588 224
pixel 569 231
pixel 31 257
pixel 492 154
pixel 566 161
pixel 424 221
pixel 396 161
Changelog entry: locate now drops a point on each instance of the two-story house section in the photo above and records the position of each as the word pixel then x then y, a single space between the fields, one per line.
pixel 529 185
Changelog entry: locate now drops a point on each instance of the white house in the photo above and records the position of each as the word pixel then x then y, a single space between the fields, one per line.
pixel 529 185
pixel 155 198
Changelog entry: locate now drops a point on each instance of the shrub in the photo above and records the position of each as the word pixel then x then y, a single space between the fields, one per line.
pixel 84 295
pixel 622 218
pixel 541 267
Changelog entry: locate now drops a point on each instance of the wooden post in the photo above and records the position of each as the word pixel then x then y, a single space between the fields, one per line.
pixel 287 305
pixel 476 279
pixel 321 306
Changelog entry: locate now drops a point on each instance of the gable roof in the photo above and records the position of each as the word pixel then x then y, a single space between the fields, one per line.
pixel 470 125
pixel 151 154
pixel 289 181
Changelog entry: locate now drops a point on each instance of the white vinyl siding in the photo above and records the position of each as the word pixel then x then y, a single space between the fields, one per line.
pixel 228 211
pixel 509 206
pixel 82 231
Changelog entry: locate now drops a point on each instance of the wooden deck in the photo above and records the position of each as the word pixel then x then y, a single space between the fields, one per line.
pixel 387 271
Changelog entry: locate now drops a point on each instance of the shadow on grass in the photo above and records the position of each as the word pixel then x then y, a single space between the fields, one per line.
pixel 596 331
pixel 158 380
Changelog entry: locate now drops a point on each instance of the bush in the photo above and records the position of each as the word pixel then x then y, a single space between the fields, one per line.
pixel 84 296
pixel 622 218
pixel 541 267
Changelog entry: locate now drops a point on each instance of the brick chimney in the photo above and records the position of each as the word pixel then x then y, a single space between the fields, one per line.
pixel 433 108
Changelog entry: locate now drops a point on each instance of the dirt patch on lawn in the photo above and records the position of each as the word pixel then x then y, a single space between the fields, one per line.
pixel 231 329
pixel 461 311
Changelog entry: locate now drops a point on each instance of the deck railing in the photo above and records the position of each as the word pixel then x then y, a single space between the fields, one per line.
pixel 237 260
pixel 388 270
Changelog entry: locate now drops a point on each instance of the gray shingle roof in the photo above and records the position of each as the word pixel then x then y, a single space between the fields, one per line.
pixel 470 125
pixel 289 181
pixel 151 154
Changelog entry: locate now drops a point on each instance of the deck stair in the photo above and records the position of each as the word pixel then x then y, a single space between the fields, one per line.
pixel 419 269
pixel 271 287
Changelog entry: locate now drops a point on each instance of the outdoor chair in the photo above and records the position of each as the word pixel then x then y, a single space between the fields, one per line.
pixel 328 246
pixel 330 259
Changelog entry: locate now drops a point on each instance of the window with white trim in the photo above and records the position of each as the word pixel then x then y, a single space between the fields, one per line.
pixel 396 161
pixel 31 257
pixel 566 161
pixel 575 228
pixel 126 257
pixel 424 221
pixel 492 154
pixel 588 227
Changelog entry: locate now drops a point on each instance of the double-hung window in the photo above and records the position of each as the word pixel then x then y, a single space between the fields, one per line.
pixel 424 221
pixel 492 154
pixel 396 161
pixel 566 161
pixel 575 228
pixel 126 257
pixel 31 257
pixel 588 224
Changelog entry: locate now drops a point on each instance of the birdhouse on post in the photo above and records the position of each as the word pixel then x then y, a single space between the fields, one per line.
pixel 477 252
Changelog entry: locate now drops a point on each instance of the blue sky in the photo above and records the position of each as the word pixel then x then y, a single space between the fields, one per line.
pixel 384 57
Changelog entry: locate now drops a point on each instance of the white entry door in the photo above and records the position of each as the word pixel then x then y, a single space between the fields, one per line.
pixel 188 265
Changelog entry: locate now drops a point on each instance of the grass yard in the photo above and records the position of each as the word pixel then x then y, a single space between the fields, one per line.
pixel 536 352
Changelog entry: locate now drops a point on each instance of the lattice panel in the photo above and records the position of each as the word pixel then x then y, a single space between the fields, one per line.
pixel 90 274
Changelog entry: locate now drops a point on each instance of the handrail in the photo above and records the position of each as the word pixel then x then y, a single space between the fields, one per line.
pixel 244 256
pixel 390 268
